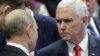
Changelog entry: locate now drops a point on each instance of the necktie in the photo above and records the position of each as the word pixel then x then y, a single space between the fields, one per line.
pixel 77 50
pixel 91 30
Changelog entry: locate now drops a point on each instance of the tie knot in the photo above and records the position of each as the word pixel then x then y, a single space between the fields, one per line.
pixel 77 48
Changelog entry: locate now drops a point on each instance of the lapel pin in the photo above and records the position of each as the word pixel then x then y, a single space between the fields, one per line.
pixel 93 54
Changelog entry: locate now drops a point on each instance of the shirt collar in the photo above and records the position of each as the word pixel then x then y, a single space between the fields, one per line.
pixel 32 53
pixel 83 44
pixel 20 47
pixel 70 47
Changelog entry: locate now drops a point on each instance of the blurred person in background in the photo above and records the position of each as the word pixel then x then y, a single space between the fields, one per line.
pixel 99 7
pixel 46 6
pixel 51 6
pixel 39 7
pixel 94 22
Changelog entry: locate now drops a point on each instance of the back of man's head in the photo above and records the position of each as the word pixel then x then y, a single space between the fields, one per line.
pixel 20 27
pixel 16 21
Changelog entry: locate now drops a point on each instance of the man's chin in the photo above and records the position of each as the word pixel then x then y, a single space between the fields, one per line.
pixel 65 38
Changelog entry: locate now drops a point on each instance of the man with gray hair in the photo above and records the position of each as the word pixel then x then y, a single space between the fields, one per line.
pixel 72 20
pixel 21 33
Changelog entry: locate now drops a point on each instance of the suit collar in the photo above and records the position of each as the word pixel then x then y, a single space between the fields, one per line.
pixel 19 46
pixel 97 23
pixel 14 50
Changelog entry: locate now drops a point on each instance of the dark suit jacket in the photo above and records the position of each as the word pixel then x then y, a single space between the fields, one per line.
pixel 2 41
pixel 97 23
pixel 47 31
pixel 12 51
pixel 60 48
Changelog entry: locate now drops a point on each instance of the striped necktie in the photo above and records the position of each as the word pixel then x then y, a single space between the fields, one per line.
pixel 91 30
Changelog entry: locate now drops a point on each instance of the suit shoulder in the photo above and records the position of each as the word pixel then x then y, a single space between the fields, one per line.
pixel 44 18
pixel 52 48
pixel 2 41
pixel 12 51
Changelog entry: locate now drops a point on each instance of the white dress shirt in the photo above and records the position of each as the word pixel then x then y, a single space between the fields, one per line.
pixel 32 53
pixel 43 10
pixel 83 45
pixel 20 47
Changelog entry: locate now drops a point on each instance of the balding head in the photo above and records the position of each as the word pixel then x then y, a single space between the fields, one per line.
pixel 16 21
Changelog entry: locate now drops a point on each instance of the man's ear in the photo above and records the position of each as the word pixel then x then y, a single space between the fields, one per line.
pixel 85 20
pixel 7 9
pixel 28 29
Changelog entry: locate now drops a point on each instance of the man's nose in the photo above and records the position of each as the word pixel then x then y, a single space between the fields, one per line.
pixel 62 25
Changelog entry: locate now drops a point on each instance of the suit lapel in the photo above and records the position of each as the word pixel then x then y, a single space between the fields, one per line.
pixel 63 49
pixel 92 46
pixel 97 23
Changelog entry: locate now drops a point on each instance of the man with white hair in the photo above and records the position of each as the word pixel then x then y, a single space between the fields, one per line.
pixel 21 33
pixel 72 20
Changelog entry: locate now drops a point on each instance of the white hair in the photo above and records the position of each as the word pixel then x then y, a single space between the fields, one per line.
pixel 79 7
pixel 16 21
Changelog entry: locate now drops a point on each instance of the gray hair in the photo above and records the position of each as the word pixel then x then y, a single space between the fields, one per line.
pixel 16 21
pixel 79 7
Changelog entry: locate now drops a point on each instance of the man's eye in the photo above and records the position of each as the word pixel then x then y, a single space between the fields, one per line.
pixel 59 21
pixel 67 21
